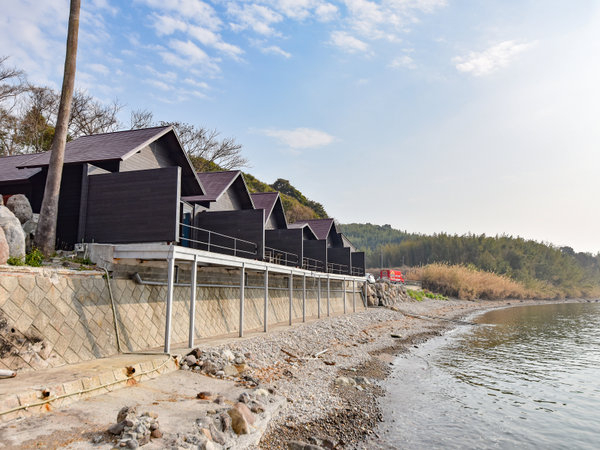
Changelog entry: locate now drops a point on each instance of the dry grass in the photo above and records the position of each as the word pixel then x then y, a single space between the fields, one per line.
pixel 469 283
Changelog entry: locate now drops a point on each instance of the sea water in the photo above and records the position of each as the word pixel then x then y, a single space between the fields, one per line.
pixel 522 377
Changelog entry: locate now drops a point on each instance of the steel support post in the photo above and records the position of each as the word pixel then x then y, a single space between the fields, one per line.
pixel 242 294
pixel 193 302
pixel 319 298
pixel 291 294
pixel 170 281
pixel 328 296
pixel 344 284
pixel 353 295
pixel 365 302
pixel 266 316
pixel 304 298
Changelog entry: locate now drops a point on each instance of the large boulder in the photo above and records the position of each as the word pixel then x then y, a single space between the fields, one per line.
pixel 4 252
pixel 29 228
pixel 20 207
pixel 15 237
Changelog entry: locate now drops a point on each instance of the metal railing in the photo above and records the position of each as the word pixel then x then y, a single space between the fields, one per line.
pixel 358 271
pixel 276 256
pixel 212 241
pixel 313 264
pixel 337 268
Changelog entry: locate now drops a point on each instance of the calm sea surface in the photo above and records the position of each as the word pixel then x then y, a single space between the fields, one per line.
pixel 525 377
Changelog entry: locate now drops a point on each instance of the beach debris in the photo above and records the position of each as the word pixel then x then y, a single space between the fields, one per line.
pixel 133 430
pixel 220 364
pixel 298 445
pixel 396 336
pixel 7 373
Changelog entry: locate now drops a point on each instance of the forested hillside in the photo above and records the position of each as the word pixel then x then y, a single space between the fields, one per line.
pixel 518 258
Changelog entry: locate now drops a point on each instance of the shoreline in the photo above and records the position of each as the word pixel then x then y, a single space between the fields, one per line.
pixel 326 375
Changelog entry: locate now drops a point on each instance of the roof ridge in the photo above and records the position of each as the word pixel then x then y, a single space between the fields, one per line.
pixel 124 131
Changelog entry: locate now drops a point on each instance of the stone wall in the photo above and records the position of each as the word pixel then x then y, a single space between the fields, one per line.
pixel 51 317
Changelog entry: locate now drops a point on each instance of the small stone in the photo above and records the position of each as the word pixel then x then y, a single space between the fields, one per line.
pixel 190 360
pixel 362 380
pixel 156 434
pixel 238 422
pixel 224 422
pixel 98 438
pixel 117 428
pixel 204 395
pixel 220 373
pixel 344 381
pixel 153 426
pixel 360 388
pixel 256 407
pixel 230 370
pixel 261 392
pixel 228 355
pixel 185 367
pixel 396 336
pixel 244 397
pixel 219 400
pixel 129 423
pixel 124 412
pixel 132 443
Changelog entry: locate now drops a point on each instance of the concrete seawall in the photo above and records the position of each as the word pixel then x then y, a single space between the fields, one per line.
pixel 50 317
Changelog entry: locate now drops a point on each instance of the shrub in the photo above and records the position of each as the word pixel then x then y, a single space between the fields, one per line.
pixel 15 261
pixel 34 258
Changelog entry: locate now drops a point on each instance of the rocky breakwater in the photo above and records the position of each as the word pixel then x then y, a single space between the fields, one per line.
pixel 384 293
pixel 17 227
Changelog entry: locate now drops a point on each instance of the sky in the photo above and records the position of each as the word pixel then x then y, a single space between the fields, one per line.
pixel 471 116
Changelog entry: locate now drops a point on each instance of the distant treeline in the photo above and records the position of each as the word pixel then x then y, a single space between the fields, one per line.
pixel 520 259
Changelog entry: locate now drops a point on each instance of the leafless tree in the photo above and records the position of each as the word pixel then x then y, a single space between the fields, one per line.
pixel 141 118
pixel 45 237
pixel 206 149
pixel 12 81
pixel 89 116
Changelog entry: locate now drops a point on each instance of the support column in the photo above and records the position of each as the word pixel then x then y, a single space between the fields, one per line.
pixel 344 284
pixel 242 294
pixel 319 298
pixel 266 316
pixel 328 296
pixel 365 301
pixel 304 298
pixel 291 294
pixel 193 302
pixel 353 295
pixel 170 274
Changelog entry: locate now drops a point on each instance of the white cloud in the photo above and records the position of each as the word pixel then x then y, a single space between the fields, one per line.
pixel 347 42
pixel 99 68
pixel 326 12
pixel 211 39
pixel 194 11
pixel 274 49
pixel 403 61
pixel 491 59
pixel 187 54
pixel 256 17
pixel 158 84
pixel 301 137
pixel 195 83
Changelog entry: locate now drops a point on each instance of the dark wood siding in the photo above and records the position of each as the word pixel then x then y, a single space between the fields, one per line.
pixel 246 224
pixel 139 206
pixel 358 262
pixel 339 256
pixel 285 240
pixel 316 249
pixel 68 206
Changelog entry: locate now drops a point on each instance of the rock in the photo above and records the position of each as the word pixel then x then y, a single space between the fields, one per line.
pixel 4 250
pixel 30 228
pixel 228 355
pixel 230 370
pixel 124 412
pixel 210 368
pixel 156 434
pixel 256 407
pixel 298 445
pixel 241 418
pixel 15 237
pixel 396 336
pixel 362 380
pixel 132 443
pixel 261 393
pixel 244 397
pixel 117 428
pixel 190 360
pixel 224 422
pixel 217 436
pixel 204 395
pixel 344 381
pixel 20 207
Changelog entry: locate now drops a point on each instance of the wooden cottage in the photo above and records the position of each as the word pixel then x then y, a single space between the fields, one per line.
pixel 116 187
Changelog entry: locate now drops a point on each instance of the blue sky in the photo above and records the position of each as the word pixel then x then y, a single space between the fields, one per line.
pixel 429 115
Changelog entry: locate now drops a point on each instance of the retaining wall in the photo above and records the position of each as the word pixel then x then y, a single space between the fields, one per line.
pixel 51 317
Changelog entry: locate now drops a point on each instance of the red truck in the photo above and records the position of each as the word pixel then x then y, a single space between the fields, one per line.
pixel 391 275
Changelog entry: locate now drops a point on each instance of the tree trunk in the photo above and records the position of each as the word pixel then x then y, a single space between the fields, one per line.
pixel 45 237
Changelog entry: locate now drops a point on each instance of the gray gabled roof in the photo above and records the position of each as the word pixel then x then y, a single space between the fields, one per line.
pixel 269 201
pixel 321 227
pixel 10 172
pixel 215 184
pixel 304 226
pixel 118 145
